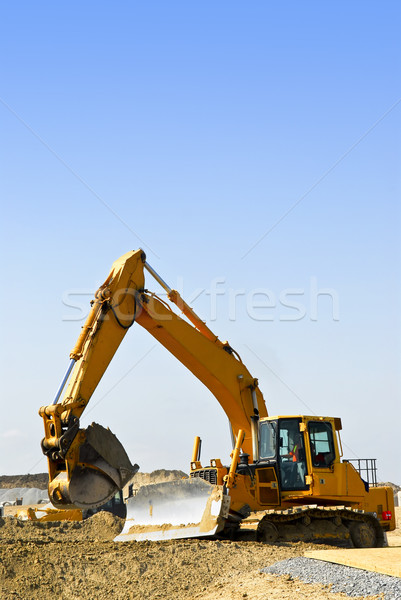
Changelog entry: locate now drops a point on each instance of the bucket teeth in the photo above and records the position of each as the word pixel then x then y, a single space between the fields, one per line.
pixel 107 445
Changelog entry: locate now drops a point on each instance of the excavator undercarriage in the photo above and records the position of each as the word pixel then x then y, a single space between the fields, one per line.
pixel 308 523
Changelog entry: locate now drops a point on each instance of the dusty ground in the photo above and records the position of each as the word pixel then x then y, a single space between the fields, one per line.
pixel 79 561
pixel 72 561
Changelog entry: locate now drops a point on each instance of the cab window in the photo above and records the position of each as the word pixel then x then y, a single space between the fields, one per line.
pixel 321 443
pixel 268 439
pixel 292 460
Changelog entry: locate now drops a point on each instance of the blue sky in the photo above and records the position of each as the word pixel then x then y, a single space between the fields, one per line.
pixel 255 144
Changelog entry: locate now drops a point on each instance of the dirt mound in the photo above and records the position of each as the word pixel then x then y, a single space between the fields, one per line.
pixel 158 476
pixel 101 526
pixel 38 480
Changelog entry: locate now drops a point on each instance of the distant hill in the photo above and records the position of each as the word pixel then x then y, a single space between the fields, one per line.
pixel 38 480
pixel 396 488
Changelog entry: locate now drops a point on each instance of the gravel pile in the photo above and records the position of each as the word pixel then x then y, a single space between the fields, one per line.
pixel 28 495
pixel 353 582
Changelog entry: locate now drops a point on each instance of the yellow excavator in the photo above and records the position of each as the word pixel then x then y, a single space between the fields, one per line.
pixel 287 469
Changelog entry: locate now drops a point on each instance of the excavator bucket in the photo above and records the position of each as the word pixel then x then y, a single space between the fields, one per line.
pixel 103 469
pixel 173 510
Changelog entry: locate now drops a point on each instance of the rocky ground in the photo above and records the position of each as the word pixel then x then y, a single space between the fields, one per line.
pixel 79 561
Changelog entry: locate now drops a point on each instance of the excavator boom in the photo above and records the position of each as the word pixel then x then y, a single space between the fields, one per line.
pixel 87 466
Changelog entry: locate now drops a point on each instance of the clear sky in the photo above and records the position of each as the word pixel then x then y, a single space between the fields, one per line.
pixel 253 151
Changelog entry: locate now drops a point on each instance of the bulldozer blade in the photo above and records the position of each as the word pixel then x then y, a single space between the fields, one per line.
pixel 103 469
pixel 175 509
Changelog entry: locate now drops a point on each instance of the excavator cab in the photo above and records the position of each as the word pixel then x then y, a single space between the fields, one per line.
pixel 281 440
pixel 299 447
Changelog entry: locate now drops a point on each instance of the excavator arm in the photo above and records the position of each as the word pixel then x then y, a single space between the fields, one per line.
pixel 87 466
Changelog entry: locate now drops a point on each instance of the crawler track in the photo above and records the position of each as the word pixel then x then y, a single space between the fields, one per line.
pixel 320 522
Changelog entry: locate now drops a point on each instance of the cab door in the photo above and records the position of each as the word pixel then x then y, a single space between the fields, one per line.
pixel 323 455
pixel 291 455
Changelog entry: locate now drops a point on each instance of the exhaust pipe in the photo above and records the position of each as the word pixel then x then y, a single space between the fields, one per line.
pixel 255 427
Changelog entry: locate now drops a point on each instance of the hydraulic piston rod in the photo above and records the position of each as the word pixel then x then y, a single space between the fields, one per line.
pixel 176 298
pixel 62 384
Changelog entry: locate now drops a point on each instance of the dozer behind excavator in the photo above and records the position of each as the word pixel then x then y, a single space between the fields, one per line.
pixel 289 467
pixel 299 487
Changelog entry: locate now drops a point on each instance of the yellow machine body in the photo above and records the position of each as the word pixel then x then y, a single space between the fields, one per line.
pixel 327 480
pixel 277 464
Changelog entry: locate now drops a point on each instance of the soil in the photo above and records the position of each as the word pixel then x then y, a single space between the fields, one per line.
pixel 80 561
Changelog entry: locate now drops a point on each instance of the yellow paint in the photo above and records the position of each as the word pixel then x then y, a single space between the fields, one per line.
pixel 122 300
